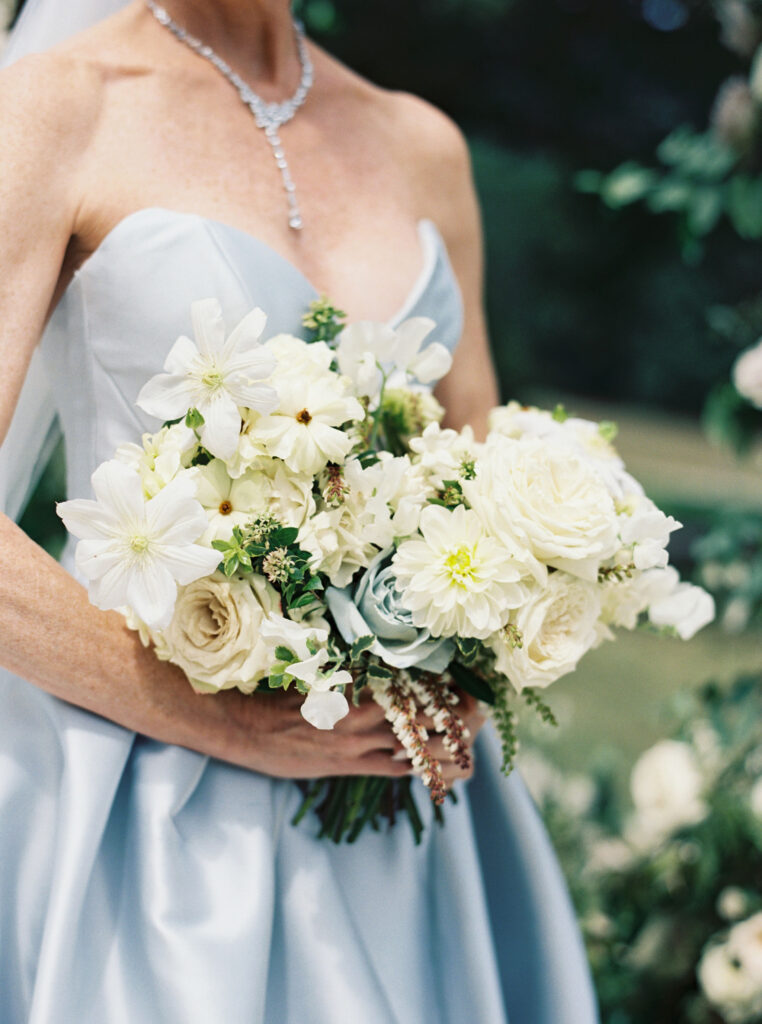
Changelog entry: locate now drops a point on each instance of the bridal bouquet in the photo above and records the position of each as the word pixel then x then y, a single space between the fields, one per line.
pixel 302 520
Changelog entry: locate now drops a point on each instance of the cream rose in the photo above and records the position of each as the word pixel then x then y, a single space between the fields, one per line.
pixel 558 624
pixel 214 635
pixel 728 985
pixel 543 496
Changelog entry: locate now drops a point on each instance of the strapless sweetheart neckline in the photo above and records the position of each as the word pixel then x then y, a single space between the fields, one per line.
pixel 430 238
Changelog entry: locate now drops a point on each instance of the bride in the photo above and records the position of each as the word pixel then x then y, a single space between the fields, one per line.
pixel 148 867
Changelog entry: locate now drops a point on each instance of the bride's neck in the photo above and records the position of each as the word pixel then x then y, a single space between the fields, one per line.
pixel 255 36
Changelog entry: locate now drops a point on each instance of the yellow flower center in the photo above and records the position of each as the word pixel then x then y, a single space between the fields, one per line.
pixel 304 416
pixel 139 544
pixel 459 565
pixel 212 379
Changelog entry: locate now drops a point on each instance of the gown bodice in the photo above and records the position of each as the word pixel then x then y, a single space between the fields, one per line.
pixel 131 299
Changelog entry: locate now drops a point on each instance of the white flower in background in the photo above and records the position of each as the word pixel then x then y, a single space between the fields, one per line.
pixel 667 790
pixel 755 798
pixel 732 903
pixel 680 606
pixel 744 943
pixel 367 350
pixel 214 635
pixel 134 552
pixel 305 430
pixel 728 986
pixel 747 374
pixel 160 456
pixel 557 624
pixel 454 578
pixel 215 376
pixel 543 497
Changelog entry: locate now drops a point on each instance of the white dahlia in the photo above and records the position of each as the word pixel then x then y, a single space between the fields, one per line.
pixel 455 579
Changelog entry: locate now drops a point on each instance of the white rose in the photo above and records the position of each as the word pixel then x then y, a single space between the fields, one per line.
pixel 747 374
pixel 558 623
pixel 544 497
pixel 666 786
pixel 727 986
pixel 214 635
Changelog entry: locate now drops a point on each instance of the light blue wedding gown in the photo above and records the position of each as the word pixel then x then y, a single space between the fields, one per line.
pixel 141 882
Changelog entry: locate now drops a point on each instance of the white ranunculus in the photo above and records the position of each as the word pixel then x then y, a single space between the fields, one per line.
pixel 542 496
pixel 666 786
pixel 728 986
pixel 558 624
pixel 215 633
pixel 215 375
pixel 454 578
pixel 134 552
pixel 747 374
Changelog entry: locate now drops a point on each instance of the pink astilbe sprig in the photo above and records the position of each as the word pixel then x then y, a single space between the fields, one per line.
pixel 438 702
pixel 397 698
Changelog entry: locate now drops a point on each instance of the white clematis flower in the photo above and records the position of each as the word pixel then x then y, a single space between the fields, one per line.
pixel 215 376
pixel 134 552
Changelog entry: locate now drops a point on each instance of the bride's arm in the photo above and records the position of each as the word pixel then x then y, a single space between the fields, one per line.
pixel 51 634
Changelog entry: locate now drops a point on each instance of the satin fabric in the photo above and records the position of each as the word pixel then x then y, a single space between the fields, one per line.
pixel 142 881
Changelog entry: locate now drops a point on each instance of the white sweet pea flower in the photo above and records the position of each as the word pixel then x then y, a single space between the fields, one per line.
pixel 215 376
pixel 160 456
pixel 134 552
pixel 747 374
pixel 366 351
pixel 684 608
pixel 305 430
pixel 646 529
pixel 323 706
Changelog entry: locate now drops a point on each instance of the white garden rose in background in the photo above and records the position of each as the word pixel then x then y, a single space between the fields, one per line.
pixel 542 496
pixel 215 635
pixel 667 786
pixel 747 374
pixel 551 631
pixel 728 986
pixel 214 375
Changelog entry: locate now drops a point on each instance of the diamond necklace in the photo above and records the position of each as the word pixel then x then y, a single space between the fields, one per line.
pixel 269 116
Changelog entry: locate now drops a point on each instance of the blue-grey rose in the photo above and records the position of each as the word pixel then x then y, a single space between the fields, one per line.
pixel 373 605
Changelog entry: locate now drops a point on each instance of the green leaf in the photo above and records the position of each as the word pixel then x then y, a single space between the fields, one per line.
pixel 283 536
pixel 285 654
pixel 361 644
pixel 221 545
pixel 471 683
pixel 303 601
pixel 379 672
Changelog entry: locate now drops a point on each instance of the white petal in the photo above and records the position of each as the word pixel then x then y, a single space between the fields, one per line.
pixel 187 562
pixel 324 710
pixel 87 519
pixel 167 396
pixel 248 332
pixel 219 434
pixel 208 326
pixel 174 516
pixel 110 590
pixel 181 356
pixel 431 364
pixel 94 558
pixel 244 392
pixel 151 593
pixel 120 490
pixel 410 337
